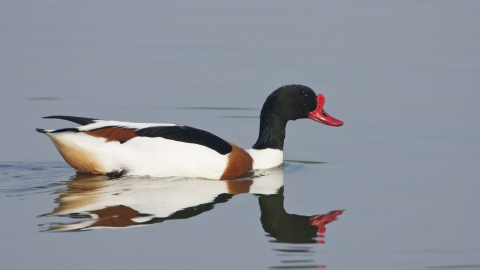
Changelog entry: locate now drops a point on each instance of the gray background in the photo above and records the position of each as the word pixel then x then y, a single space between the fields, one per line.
pixel 403 76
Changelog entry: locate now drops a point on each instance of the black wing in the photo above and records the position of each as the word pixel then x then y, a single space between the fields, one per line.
pixel 79 120
pixel 188 135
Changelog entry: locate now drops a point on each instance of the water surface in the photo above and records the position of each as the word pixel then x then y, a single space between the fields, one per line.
pixel 397 185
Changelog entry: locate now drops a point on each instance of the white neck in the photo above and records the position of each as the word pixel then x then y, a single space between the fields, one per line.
pixel 266 158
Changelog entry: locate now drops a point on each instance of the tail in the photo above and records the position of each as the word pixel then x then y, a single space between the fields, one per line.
pixel 45 131
pixel 79 120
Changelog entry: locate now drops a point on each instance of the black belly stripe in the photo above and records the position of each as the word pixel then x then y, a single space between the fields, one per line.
pixel 188 135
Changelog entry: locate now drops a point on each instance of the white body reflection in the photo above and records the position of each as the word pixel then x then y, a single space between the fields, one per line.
pixel 133 201
pixel 138 201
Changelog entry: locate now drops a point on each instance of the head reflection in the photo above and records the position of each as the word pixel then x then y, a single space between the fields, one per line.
pixel 291 228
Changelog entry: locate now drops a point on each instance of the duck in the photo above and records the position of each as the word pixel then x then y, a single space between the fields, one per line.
pixel 114 148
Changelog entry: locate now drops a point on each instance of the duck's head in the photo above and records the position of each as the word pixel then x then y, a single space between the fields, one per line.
pixel 292 102
pixel 289 102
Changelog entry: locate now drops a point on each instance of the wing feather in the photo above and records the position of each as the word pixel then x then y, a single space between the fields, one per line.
pixel 124 131
pixel 76 119
pixel 188 135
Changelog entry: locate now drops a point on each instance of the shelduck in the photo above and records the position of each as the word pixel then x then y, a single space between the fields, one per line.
pixel 160 150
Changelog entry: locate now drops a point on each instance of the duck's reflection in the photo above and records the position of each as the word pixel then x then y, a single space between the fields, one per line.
pixel 101 202
pixel 291 228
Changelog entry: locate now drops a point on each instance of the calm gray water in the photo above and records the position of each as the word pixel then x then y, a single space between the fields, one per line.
pixel 403 76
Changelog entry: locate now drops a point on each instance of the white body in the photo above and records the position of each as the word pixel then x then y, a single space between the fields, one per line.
pixel 266 158
pixel 145 156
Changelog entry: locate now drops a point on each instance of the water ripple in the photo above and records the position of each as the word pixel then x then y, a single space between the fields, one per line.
pixel 23 178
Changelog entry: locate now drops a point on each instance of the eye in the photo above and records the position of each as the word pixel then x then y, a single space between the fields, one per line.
pixel 324 113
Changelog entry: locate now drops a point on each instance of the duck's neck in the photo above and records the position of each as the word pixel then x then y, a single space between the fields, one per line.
pixel 272 132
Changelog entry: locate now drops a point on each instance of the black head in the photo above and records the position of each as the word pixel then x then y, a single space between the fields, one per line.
pixel 290 102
